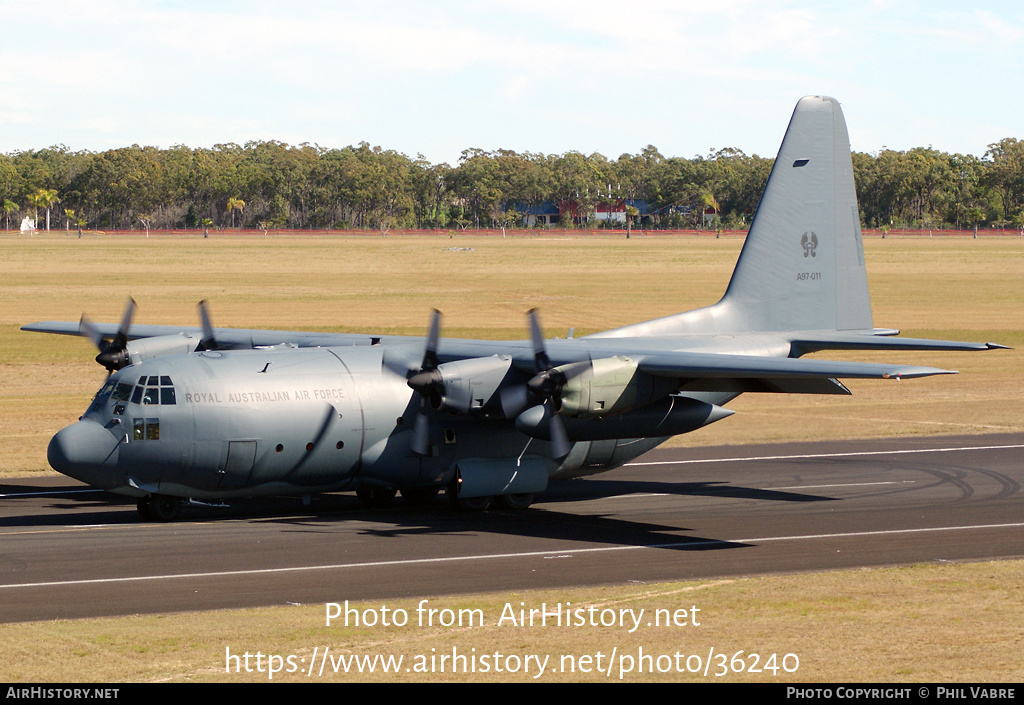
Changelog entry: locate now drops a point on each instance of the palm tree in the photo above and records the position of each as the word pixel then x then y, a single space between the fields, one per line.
pixel 48 198
pixel 43 198
pixel 235 204
pixel 34 200
pixel 9 207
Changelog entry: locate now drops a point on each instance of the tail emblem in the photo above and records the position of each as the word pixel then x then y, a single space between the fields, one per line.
pixel 810 243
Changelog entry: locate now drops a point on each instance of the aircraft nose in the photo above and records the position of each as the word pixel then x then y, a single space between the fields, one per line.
pixel 85 451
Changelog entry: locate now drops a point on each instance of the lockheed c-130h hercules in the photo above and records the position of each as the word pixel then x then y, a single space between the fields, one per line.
pixel 204 414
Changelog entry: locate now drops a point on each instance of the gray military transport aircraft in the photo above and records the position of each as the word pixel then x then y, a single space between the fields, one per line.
pixel 204 414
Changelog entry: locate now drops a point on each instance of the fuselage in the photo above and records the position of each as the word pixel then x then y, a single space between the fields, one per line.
pixel 291 420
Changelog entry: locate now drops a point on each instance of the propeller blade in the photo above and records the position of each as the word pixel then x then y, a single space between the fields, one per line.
pixel 542 422
pixel 121 339
pixel 209 339
pixel 540 356
pixel 87 330
pixel 427 383
pixel 514 400
pixel 430 361
pixel 560 445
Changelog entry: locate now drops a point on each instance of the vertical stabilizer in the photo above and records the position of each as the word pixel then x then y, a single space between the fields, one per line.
pixel 802 264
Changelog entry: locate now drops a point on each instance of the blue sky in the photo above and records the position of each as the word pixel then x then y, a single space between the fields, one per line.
pixel 439 77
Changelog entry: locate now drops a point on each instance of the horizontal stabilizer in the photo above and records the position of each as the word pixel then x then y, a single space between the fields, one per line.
pixel 740 366
pixel 808 343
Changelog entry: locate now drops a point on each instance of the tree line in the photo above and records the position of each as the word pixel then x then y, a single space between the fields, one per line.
pixel 276 185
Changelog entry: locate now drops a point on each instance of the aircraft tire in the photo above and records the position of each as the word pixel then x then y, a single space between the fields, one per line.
pixel 159 508
pixel 473 504
pixel 420 496
pixel 376 496
pixel 515 502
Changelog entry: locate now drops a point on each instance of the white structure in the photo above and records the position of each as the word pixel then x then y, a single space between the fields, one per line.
pixel 28 225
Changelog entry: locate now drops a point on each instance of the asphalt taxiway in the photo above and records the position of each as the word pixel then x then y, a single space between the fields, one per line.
pixel 674 514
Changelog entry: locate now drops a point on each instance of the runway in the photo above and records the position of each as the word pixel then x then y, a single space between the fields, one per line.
pixel 675 514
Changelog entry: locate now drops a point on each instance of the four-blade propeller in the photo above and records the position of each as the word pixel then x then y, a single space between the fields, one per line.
pixel 113 355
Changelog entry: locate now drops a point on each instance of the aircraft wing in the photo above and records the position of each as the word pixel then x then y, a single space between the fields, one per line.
pixel 229 337
pixel 695 371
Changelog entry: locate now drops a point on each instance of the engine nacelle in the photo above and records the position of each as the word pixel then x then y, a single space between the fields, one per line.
pixel 670 416
pixel 612 385
pixel 471 386
pixel 148 348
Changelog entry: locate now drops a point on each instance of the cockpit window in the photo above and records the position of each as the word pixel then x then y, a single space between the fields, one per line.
pixel 153 389
pixel 122 392
pixel 101 397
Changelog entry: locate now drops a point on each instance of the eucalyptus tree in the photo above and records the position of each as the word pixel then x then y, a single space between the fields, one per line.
pixel 578 182
pixel 431 187
pixel 1004 174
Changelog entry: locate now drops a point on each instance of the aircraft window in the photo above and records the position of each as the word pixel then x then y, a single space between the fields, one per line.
pixel 122 392
pixel 151 394
pixel 146 429
pixel 118 409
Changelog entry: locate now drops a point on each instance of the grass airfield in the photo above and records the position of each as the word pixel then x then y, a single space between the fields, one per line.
pixel 947 288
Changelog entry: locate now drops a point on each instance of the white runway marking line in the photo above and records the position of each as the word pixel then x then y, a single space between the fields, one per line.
pixel 496 556
pixel 811 456
pixel 790 487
